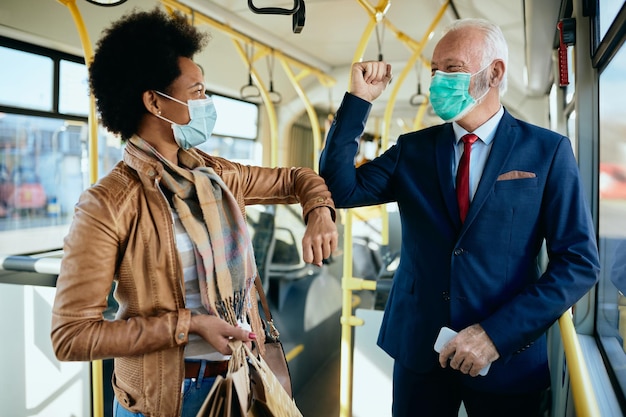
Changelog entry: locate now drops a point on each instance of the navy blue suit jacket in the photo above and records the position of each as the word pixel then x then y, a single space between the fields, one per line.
pixel 485 270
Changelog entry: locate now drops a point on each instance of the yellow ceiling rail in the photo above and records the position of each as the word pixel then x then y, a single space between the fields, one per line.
pixel 199 17
pixel 419 47
pixel 315 123
pixel 286 61
pixel 379 11
pixel 377 14
pixel 97 377
pixel 411 43
pixel 267 100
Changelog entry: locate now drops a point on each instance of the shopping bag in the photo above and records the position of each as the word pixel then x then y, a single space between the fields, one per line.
pixel 268 397
pixel 230 395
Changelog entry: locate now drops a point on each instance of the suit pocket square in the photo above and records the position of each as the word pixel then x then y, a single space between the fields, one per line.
pixel 515 175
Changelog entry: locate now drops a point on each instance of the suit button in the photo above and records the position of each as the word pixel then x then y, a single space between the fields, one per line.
pixel 445 296
pixel 458 251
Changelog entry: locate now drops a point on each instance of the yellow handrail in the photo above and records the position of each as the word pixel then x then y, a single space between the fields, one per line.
pixel 92 120
pixel 582 390
pixel 97 377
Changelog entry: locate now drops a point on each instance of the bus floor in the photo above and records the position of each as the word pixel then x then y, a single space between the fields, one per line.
pixel 320 396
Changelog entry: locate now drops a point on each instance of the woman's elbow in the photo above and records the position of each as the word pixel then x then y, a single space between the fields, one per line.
pixel 66 345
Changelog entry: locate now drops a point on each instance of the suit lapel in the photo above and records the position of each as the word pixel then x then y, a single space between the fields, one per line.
pixel 503 144
pixel 444 150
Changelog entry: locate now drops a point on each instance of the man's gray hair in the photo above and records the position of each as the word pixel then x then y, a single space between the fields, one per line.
pixel 495 46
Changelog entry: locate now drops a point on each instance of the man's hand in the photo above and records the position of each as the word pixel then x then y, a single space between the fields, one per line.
pixel 469 351
pixel 369 79
pixel 218 332
pixel 320 238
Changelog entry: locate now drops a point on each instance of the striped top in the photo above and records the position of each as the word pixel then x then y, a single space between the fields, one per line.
pixel 197 348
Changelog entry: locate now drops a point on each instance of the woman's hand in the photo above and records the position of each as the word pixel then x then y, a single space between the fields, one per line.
pixel 218 332
pixel 320 237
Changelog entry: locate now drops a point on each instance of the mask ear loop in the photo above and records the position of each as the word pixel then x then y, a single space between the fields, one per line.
pixel 250 90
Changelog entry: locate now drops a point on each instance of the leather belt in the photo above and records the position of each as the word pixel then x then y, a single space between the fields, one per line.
pixel 212 369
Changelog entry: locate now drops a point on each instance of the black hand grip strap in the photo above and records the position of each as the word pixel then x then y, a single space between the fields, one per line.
pixel 275 10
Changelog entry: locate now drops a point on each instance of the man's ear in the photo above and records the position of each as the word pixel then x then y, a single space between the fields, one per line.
pixel 151 102
pixel 497 73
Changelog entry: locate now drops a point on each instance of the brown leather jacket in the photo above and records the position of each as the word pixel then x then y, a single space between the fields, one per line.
pixel 122 230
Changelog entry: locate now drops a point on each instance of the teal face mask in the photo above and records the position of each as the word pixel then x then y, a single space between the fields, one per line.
pixel 203 116
pixel 450 96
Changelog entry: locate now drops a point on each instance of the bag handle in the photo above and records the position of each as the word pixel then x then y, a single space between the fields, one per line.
pixel 272 332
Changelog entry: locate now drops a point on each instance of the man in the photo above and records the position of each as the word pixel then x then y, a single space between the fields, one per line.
pixel 469 266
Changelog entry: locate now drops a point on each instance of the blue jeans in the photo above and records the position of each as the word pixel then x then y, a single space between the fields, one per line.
pixel 194 391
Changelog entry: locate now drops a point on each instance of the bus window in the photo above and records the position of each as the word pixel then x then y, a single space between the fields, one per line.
pixel 27 82
pixel 44 168
pixel 608 12
pixel 44 155
pixel 236 131
pixel 236 118
pixel 44 146
pixel 571 129
pixel 611 318
pixel 73 89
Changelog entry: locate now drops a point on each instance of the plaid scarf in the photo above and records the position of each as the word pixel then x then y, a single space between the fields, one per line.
pixel 210 215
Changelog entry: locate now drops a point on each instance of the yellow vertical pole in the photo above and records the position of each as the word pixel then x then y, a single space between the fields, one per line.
pixel 96 366
pixel 92 120
pixel 345 386
pixel 349 283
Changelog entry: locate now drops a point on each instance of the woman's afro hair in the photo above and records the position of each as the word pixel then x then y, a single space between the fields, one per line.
pixel 138 53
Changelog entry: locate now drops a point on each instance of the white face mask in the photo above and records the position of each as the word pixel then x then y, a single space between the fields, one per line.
pixel 203 116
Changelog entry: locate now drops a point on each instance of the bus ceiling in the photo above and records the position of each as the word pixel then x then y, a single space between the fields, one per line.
pixel 540 26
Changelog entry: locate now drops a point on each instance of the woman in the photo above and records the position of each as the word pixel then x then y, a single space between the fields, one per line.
pixel 167 225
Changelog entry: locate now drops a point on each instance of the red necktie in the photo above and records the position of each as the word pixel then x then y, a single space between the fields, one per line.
pixel 462 175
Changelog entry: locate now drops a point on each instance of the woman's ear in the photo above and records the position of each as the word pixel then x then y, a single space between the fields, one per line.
pixel 151 102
